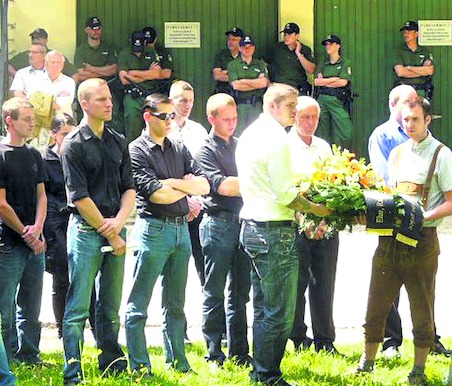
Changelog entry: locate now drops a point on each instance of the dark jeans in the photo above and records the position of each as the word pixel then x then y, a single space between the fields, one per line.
pixel 7 378
pixel 318 262
pixel 275 261
pixel 396 264
pixel 196 250
pixel 224 262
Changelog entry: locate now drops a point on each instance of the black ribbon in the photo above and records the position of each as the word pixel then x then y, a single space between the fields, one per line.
pixel 380 213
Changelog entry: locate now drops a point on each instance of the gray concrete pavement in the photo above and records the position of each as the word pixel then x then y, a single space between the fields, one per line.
pixel 352 284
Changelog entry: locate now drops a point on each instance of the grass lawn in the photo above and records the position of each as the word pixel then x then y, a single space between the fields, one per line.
pixel 305 368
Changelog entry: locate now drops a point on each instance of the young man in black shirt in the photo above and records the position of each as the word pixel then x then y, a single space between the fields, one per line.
pixel 164 174
pixel 23 206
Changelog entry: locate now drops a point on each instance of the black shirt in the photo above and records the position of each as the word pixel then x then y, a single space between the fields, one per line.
pixel 54 182
pixel 152 163
pixel 98 168
pixel 21 170
pixel 217 161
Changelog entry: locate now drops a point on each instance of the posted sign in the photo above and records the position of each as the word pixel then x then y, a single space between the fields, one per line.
pixel 183 35
pixel 435 32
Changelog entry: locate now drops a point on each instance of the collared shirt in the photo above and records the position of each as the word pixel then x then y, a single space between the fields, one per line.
pixel 192 134
pixel 383 139
pixel 342 68
pixel 54 182
pixel 286 67
pixel 217 160
pixel 100 56
pixel 221 60
pixel 404 56
pixel 127 60
pixel 21 170
pixel 26 78
pixel 62 88
pixel 410 162
pixel 265 171
pixel 304 156
pixel 239 69
pixel 98 168
pixel 152 163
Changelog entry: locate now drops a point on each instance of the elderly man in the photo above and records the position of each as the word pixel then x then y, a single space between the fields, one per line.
pixel 413 64
pixel 226 264
pixel 223 57
pixel 317 254
pixel 164 173
pixel 396 264
pixel 291 61
pixel 249 79
pixel 270 200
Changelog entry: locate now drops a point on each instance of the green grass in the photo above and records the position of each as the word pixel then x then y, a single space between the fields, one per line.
pixel 305 368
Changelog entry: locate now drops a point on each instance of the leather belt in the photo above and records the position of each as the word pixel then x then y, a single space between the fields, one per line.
pixel 172 220
pixel 273 224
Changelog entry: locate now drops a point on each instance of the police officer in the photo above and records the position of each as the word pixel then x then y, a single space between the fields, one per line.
pixel 223 57
pixel 332 82
pixel 413 64
pixel 249 80
pixel 291 61
pixel 142 72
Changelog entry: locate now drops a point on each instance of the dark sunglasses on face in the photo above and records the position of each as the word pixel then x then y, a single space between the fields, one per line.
pixel 164 116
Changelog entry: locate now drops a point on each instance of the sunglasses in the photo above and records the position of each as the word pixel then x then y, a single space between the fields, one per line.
pixel 164 116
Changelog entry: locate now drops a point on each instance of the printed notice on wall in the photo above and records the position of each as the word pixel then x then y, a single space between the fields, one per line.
pixel 435 32
pixel 183 35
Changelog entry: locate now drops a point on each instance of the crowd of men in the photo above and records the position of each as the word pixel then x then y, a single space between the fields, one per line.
pixel 230 202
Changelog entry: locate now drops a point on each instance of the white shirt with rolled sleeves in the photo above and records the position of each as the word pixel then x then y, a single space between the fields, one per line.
pixel 265 172
pixel 304 156
pixel 413 163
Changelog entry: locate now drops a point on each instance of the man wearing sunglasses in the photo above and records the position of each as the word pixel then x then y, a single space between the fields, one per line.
pixel 165 174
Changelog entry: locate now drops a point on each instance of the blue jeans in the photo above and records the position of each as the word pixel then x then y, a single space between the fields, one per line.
pixel 275 261
pixel 22 271
pixel 7 378
pixel 224 261
pixel 318 262
pixel 161 248
pixel 86 262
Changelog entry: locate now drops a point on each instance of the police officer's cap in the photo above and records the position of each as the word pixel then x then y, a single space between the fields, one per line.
pixel 235 31
pixel 410 26
pixel 150 34
pixel 137 41
pixel 331 39
pixel 39 33
pixel 291 28
pixel 247 40
pixel 93 22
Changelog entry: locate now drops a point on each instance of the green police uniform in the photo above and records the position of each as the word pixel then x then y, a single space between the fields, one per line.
pixel 286 68
pixel 100 56
pixel 21 60
pixel 405 57
pixel 221 60
pixel 133 103
pixel 335 125
pixel 249 103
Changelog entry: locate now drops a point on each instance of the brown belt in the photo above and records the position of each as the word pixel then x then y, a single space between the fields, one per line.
pixel 409 188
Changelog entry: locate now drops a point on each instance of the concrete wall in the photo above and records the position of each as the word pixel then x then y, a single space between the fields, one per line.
pixel 56 17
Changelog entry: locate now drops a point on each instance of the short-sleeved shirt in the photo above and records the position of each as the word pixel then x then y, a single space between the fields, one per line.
pixel 98 168
pixel 127 61
pixel 152 163
pixel 21 170
pixel 410 162
pixel 28 78
pixel 342 69
pixel 100 56
pixel 221 60
pixel 192 134
pixel 286 67
pixel 239 69
pixel 21 60
pixel 405 57
pixel 217 160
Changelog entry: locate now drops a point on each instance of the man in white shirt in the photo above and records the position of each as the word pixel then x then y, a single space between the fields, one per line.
pixel 317 254
pixel 270 200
